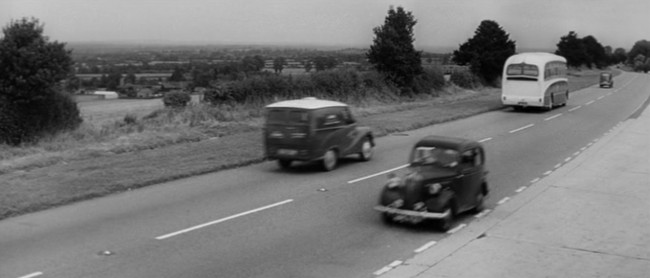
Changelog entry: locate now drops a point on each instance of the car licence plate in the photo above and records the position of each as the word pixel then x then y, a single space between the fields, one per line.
pixel 287 152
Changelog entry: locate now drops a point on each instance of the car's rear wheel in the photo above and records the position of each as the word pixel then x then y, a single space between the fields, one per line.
pixel 284 163
pixel 330 160
pixel 366 150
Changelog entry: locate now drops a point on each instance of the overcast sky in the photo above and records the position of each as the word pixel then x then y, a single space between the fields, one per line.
pixel 536 24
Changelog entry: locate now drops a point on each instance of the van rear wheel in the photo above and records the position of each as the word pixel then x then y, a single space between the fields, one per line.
pixel 330 160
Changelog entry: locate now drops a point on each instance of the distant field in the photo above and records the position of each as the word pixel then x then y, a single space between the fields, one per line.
pixel 98 112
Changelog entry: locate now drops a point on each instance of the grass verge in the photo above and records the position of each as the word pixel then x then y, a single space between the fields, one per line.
pixel 101 171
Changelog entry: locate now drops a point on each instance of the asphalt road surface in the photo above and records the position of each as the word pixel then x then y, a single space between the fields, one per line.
pixel 259 221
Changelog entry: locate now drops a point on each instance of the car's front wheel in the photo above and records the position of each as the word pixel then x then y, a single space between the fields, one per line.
pixel 284 163
pixel 366 150
pixel 479 204
pixel 330 160
pixel 444 224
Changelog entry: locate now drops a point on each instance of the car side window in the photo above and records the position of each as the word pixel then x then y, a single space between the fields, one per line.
pixel 471 158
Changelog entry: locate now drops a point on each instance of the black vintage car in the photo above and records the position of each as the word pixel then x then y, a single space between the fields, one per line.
pixel 606 80
pixel 446 177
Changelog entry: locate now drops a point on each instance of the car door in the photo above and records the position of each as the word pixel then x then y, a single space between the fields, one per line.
pixel 349 140
pixel 471 174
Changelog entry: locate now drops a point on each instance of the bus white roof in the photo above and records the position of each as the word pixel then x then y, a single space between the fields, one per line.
pixel 306 103
pixel 534 58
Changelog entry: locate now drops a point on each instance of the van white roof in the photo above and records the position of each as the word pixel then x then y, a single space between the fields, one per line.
pixel 534 58
pixel 306 103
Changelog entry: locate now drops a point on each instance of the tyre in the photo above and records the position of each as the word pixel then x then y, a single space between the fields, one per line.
pixel 366 150
pixel 479 204
pixel 330 160
pixel 444 224
pixel 284 163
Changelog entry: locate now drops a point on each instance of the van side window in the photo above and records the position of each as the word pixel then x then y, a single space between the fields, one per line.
pixel 329 118
pixel 346 116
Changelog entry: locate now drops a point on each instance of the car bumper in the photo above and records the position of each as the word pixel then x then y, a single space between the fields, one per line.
pixel 412 213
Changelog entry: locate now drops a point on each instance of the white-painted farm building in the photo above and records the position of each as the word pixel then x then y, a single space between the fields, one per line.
pixel 106 94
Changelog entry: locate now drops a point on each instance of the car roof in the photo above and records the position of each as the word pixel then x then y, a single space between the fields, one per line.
pixel 446 142
pixel 306 103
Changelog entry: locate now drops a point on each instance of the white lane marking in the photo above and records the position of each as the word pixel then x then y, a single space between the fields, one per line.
pixel 482 213
pixel 387 268
pixel 458 228
pixel 557 166
pixel 610 93
pixel 547 173
pixel 223 219
pixel 521 128
pixel 600 97
pixel 425 246
pixel 589 145
pixel 382 270
pixel 576 153
pixel 583 148
pixel 485 139
pixel 535 180
pixel 380 173
pixel 567 159
pixel 553 117
pixel 395 264
pixel 503 201
pixel 32 275
pixel 589 102
pixel 520 189
pixel 575 108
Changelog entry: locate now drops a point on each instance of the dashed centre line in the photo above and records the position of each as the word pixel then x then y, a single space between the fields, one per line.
pixel 223 219
pixel 32 275
pixel 521 128
pixel 485 139
pixel 575 108
pixel 589 102
pixel 378 174
pixel 503 201
pixel 553 117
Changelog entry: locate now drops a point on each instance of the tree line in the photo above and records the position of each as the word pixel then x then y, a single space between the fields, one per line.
pixel 33 102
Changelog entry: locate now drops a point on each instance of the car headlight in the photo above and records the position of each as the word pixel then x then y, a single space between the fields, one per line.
pixel 434 188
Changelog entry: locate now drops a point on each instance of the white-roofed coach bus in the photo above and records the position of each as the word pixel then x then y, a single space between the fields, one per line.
pixel 535 79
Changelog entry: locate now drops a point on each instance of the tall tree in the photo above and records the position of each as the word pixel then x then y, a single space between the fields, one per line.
pixel 619 56
pixel 487 51
pixel 31 68
pixel 595 52
pixel 572 49
pixel 639 56
pixel 392 52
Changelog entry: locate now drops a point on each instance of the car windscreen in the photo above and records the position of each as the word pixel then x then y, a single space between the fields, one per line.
pixel 441 157
pixel 287 116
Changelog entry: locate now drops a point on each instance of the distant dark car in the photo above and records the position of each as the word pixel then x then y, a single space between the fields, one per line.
pixel 446 177
pixel 606 80
pixel 311 129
